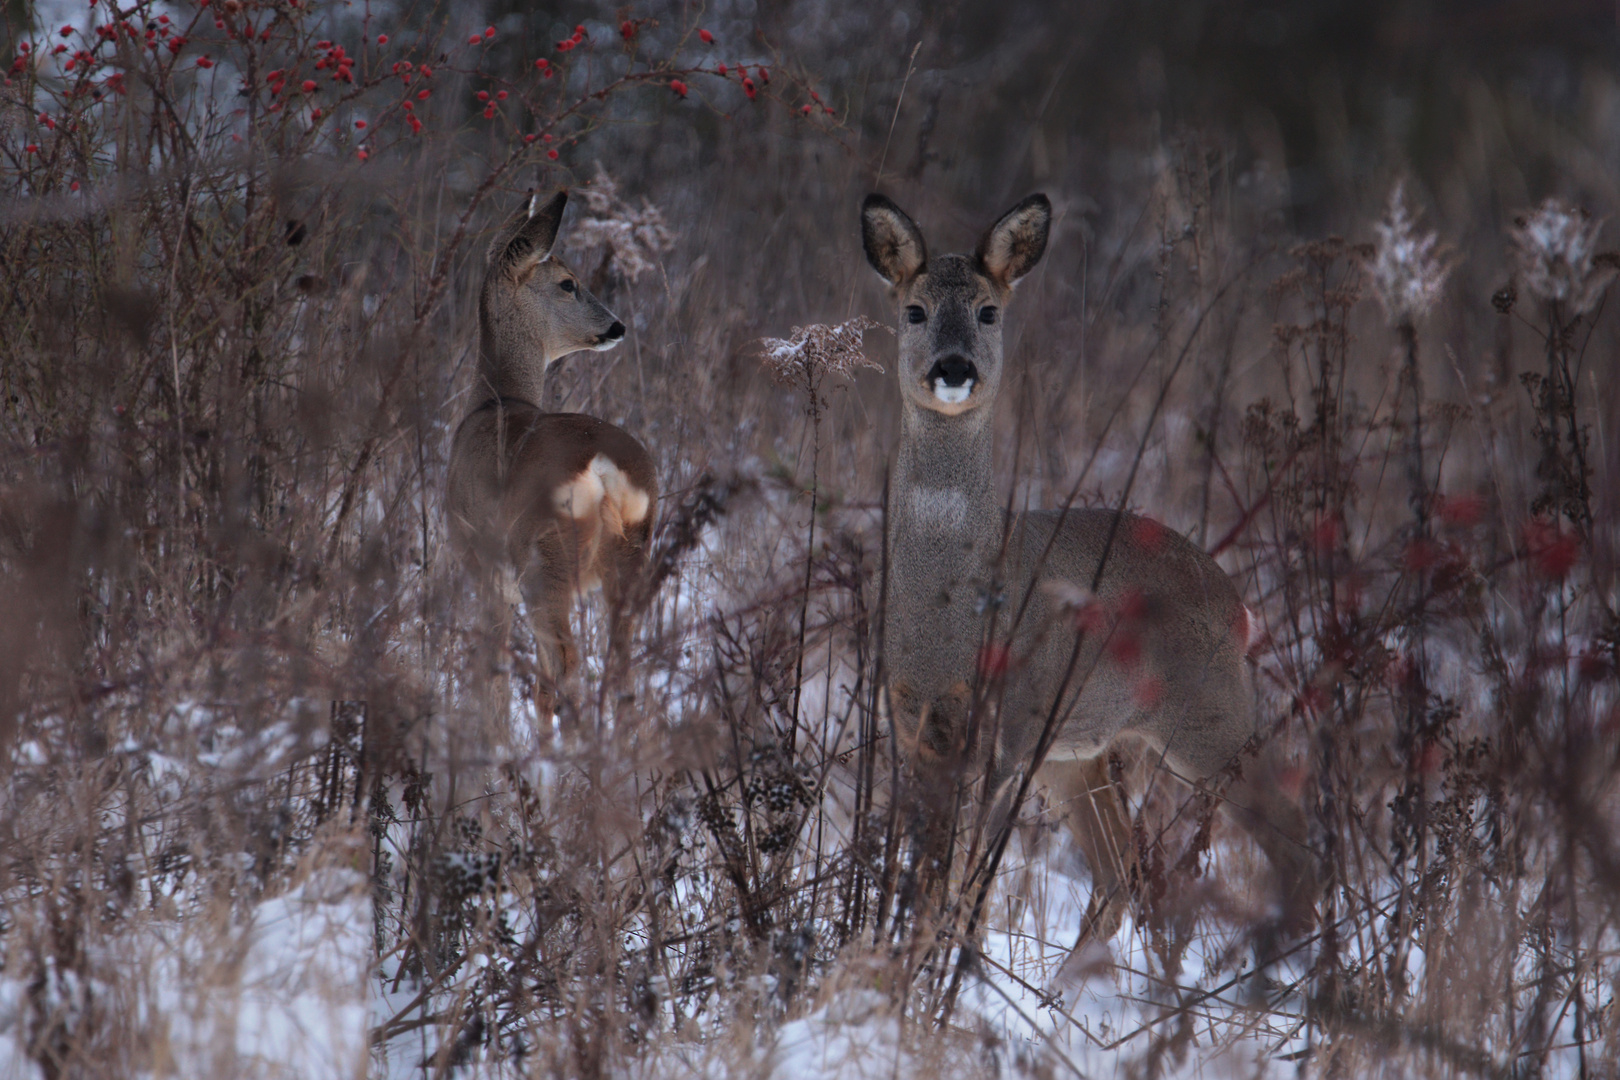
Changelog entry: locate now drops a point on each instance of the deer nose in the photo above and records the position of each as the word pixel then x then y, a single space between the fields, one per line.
pixel 953 371
pixel 614 332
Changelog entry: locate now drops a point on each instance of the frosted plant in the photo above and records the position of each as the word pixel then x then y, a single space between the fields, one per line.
pixel 819 348
pixel 1555 251
pixel 1408 268
pixel 629 238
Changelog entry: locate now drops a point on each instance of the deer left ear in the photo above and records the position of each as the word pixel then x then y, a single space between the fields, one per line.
pixel 526 240
pixel 1012 246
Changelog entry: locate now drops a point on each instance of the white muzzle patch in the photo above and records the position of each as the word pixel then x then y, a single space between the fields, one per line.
pixel 952 395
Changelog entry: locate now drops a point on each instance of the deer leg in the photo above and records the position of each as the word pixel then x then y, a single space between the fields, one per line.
pixel 1095 813
pixel 620 576
pixel 499 594
pixel 1256 800
pixel 549 596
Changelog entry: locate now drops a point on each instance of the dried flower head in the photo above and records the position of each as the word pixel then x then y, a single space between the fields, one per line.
pixel 1555 251
pixel 1408 268
pixel 818 348
pixel 628 238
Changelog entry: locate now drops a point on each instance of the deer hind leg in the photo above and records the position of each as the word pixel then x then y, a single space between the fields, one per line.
pixel 549 594
pixel 1097 817
pixel 1257 801
pixel 622 562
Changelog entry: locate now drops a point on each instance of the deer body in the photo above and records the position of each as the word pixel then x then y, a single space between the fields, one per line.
pixel 544 505
pixel 1012 619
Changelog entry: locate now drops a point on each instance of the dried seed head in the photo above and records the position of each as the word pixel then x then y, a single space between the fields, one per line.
pixel 1408 268
pixel 628 238
pixel 819 348
pixel 1555 253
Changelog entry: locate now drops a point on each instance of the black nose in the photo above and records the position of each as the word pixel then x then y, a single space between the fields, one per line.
pixel 953 371
pixel 614 332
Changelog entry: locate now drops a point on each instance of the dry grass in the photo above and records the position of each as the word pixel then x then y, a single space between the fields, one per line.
pixel 254 823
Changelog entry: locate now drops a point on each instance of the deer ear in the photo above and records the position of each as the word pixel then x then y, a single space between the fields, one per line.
pixel 1013 245
pixel 894 245
pixel 526 240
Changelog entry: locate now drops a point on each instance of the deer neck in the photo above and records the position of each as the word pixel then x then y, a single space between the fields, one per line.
pixel 948 454
pixel 945 513
pixel 512 356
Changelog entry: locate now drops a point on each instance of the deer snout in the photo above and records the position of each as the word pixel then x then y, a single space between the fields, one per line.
pixel 610 337
pixel 952 379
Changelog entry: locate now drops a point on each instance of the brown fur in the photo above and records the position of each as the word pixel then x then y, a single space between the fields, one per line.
pixel 544 504
pixel 1163 653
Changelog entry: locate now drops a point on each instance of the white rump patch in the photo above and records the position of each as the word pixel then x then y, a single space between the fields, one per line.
pixel 581 497
pixel 623 504
pixel 604 491
pixel 952 395
pixel 940 508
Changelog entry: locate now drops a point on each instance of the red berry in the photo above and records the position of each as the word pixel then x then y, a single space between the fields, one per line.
pixel 528 138
pixel 361 153
pixel 489 113
pixel 720 69
pixel 423 95
pixel 1460 509
pixel 309 86
pixel 542 63
pixel 483 95
pixel 489 31
pixel 678 86
pixel 382 39
pixel 474 40
pixel 360 125
pixel 67 31
pixel 627 30
pixel 552 154
pixel 708 38
pixel 501 96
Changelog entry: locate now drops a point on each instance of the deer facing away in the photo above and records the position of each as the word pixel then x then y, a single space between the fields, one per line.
pixel 1152 645
pixel 544 505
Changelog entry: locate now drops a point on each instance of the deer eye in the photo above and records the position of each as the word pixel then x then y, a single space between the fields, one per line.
pixel 566 285
pixel 915 314
pixel 987 315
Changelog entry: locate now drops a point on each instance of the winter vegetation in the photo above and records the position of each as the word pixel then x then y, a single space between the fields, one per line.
pixel 1327 292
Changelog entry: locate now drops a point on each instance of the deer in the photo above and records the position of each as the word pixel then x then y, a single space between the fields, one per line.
pixel 544 506
pixel 1049 633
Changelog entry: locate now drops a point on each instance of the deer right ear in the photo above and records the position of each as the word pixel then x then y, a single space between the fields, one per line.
pixel 526 241
pixel 894 245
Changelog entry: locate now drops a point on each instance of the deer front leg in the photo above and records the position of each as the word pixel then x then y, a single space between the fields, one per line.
pixel 498 593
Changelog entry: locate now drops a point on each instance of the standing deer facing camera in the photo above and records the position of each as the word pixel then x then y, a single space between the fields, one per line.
pixel 546 504
pixel 1095 622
